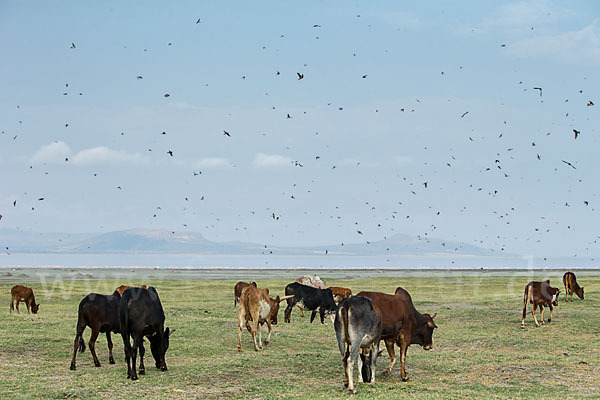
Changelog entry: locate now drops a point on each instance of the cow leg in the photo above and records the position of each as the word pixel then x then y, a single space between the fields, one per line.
pixel 127 350
pixel 550 319
pixel 345 354
pixel 403 349
pixel 301 311
pixel 142 370
pixel 270 330
pixel 12 304
pixel 134 350
pixel 542 313
pixel 78 338
pixel 27 304
pixel 241 322
pixel 359 362
pixel 350 367
pixel 111 360
pixel 18 312
pixel 288 310
pixel 389 345
pixel 255 327
pixel 533 310
pixel 374 353
pixel 322 314
pixel 92 344
pixel 312 315
pixel 566 292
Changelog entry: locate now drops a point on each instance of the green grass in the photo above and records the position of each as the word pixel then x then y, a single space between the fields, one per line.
pixel 480 350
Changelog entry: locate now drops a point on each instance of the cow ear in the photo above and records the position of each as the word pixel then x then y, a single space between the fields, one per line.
pixel 277 300
pixel 434 315
pixel 267 289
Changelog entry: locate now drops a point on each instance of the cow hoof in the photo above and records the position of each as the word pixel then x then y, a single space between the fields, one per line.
pixel 549 320
pixel 73 367
pixel 164 368
pixel 111 360
pixel 134 378
pixel 405 379
pixel 345 384
pixel 97 365
pixel 353 391
pixel 523 326
pixel 142 372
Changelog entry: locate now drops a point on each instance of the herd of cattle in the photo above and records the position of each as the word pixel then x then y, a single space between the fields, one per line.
pixel 363 320
pixel 360 321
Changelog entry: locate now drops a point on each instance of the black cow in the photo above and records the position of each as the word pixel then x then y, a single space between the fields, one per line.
pixel 101 313
pixel 141 314
pixel 358 326
pixel 310 298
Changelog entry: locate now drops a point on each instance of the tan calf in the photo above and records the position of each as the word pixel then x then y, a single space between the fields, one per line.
pixel 258 307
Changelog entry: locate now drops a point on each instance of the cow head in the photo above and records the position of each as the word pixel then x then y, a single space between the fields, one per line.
pixel 36 307
pixel 274 303
pixel 253 284
pixel 554 293
pixel 579 293
pixel 425 332
pixel 159 348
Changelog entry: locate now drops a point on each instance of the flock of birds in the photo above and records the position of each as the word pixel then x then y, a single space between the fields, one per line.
pixel 392 220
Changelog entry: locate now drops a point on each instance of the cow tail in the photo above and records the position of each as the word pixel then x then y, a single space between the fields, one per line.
pixel 525 299
pixel 81 344
pixel 341 329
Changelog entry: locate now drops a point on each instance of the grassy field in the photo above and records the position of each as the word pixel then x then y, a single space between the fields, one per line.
pixel 480 350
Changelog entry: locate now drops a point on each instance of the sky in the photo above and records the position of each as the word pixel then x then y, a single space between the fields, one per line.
pixel 451 120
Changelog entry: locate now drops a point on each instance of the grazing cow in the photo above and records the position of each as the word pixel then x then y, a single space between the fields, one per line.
pixel 401 324
pixel 340 293
pixel 311 299
pixel 100 313
pixel 571 286
pixel 258 307
pixel 539 294
pixel 141 314
pixel 237 290
pixel 358 327
pixel 310 280
pixel 23 293
pixel 123 288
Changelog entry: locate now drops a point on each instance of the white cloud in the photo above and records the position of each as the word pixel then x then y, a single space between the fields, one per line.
pixel 105 155
pixel 212 162
pixel 575 47
pixel 271 160
pixel 51 153
pixel 521 16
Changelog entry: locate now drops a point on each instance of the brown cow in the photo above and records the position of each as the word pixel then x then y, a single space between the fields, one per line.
pixel 340 293
pixel 123 288
pixel 23 293
pixel 237 290
pixel 539 294
pixel 571 286
pixel 258 307
pixel 402 325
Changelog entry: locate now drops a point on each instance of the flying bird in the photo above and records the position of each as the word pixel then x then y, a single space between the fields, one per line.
pixel 465 113
pixel 197 22
pixel 569 164
pixel 226 133
pixel 167 95
pixel 359 232
pixel 300 76
pixel 73 45
pixel 170 153
pixel 576 132
pixel 590 103
pixel 139 77
pixel 538 88
pixel 14 203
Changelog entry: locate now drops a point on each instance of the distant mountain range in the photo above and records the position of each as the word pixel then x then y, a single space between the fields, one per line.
pixel 161 241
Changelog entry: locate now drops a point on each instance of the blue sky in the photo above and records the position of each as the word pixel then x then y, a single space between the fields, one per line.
pixel 379 112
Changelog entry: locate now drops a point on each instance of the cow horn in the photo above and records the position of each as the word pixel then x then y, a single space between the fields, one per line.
pixel 286 297
pixel 434 315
